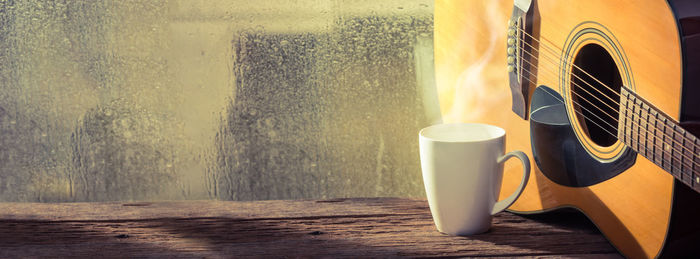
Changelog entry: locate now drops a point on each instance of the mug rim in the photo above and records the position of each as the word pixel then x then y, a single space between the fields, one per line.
pixel 499 132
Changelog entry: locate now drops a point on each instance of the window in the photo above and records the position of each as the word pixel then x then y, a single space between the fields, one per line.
pixel 239 100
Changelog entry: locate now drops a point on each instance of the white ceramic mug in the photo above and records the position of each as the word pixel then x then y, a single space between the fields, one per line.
pixel 462 167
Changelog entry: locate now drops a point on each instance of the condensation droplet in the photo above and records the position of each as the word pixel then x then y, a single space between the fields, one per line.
pixel 253 100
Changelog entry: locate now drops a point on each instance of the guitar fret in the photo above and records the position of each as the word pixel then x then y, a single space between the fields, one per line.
pixel 649 124
pixel 665 155
pixel 686 154
pixel 624 122
pixel 685 178
pixel 696 150
pixel 668 155
pixel 656 136
pixel 696 160
pixel 637 112
pixel 654 141
pixel 674 152
pixel 644 116
pixel 630 121
pixel 658 140
pixel 678 133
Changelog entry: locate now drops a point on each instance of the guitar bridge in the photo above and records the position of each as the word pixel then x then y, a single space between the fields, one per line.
pixel 518 68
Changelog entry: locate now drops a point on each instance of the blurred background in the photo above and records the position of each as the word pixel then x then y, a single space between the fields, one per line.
pixel 213 99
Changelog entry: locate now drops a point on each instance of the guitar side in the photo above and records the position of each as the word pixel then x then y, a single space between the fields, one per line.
pixel 684 229
pixel 632 209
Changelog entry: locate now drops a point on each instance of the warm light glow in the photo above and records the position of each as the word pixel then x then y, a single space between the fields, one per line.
pixel 468 72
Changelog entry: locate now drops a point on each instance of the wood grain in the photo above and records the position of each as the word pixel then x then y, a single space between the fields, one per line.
pixel 380 227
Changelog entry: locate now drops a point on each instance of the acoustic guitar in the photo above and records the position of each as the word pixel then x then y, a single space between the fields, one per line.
pixel 603 95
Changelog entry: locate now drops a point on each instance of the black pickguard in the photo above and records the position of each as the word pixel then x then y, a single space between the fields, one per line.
pixel 558 153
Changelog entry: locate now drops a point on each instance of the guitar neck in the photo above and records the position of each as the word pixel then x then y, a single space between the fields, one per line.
pixel 654 135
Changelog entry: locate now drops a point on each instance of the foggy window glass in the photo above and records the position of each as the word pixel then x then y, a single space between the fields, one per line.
pixel 216 99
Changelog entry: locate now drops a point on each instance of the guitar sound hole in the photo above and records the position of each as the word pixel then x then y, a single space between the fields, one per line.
pixel 595 93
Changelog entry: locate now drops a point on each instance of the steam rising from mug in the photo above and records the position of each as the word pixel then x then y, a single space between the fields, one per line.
pixel 469 96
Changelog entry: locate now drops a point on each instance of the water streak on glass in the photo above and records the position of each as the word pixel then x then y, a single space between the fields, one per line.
pixel 216 99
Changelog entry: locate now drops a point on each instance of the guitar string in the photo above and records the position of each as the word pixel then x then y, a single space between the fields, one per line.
pixel 604 128
pixel 577 94
pixel 530 54
pixel 646 149
pixel 614 92
pixel 630 117
pixel 555 63
pixel 611 126
pixel 584 81
pixel 560 100
pixel 592 104
pixel 555 54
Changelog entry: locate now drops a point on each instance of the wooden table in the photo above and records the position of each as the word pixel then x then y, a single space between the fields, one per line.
pixel 377 227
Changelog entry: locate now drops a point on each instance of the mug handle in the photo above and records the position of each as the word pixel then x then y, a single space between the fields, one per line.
pixel 504 204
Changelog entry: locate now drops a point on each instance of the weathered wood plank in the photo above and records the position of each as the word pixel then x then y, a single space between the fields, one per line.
pixel 384 227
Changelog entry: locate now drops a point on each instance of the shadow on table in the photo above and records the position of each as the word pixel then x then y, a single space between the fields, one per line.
pixel 404 230
pixel 173 237
pixel 562 231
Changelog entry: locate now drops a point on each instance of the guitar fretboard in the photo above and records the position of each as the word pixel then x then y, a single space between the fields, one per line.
pixel 657 137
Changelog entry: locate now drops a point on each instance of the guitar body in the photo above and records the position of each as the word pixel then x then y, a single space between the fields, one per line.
pixel 627 196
